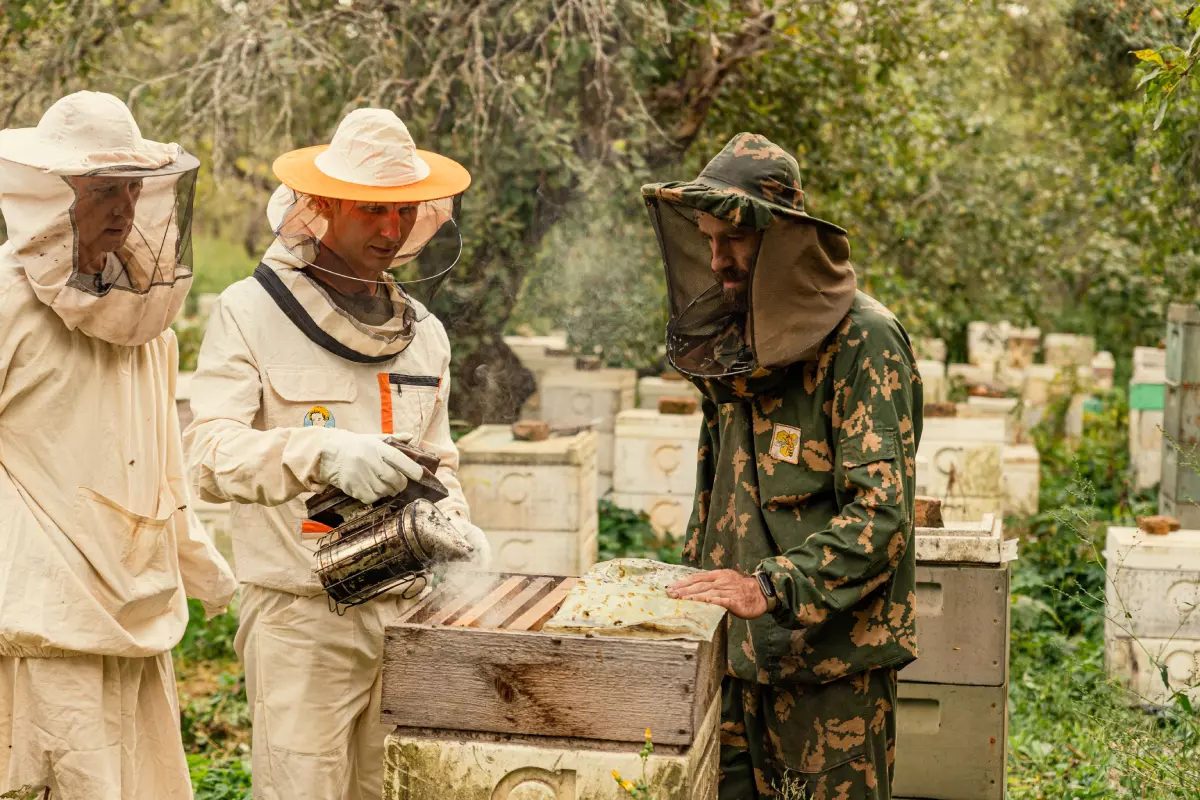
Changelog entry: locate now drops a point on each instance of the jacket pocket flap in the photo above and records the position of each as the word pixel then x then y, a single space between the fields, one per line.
pixel 312 384
pixel 867 447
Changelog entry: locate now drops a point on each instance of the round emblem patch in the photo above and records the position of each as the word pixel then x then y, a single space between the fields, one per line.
pixel 320 417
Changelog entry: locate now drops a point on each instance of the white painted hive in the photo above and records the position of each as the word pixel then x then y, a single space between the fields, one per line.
pixel 1022 479
pixel 656 453
pixel 933 380
pixel 652 388
pixel 1153 586
pixel 529 486
pixel 668 513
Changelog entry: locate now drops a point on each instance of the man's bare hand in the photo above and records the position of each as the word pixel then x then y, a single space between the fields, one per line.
pixel 728 588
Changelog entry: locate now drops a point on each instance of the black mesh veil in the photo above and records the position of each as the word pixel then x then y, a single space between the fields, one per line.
pixel 706 334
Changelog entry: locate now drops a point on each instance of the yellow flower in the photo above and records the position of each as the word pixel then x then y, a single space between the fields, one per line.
pixel 616 775
pixel 647 734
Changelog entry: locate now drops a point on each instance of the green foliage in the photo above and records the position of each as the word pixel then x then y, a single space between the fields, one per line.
pixel 207 640
pixel 1071 732
pixel 227 779
pixel 217 722
pixel 638 789
pixel 627 534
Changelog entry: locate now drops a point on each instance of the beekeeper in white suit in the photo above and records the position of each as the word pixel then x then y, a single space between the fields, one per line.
pixel 98 542
pixel 304 369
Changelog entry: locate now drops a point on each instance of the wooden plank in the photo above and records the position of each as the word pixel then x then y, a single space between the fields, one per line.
pixel 496 595
pixel 423 605
pixel 457 604
pixel 511 608
pixel 532 683
pixel 535 617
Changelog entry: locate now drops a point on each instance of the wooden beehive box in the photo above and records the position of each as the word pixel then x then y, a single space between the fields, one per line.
pixel 476 660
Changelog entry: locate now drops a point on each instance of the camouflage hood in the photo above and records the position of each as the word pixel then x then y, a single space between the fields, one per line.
pixel 800 287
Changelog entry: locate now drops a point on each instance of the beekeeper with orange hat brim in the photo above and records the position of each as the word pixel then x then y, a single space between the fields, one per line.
pixel 305 368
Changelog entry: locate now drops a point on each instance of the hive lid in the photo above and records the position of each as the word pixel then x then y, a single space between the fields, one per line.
pixel 590 380
pixel 980 542
pixel 965 430
pixel 494 444
pixel 1132 548
pixel 651 422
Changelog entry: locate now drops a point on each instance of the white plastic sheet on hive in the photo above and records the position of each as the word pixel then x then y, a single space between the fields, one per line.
pixel 528 486
pixel 656 453
pixel 933 380
pixel 1153 583
pixel 652 388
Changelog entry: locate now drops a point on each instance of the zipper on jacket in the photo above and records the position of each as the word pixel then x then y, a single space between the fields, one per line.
pixel 428 381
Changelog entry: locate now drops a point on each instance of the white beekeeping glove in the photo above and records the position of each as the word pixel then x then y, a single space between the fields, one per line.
pixel 364 466
pixel 481 558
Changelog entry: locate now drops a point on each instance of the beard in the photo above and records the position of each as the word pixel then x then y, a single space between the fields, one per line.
pixel 735 297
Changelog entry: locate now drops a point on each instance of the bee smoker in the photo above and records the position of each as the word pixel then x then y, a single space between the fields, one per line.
pixel 393 542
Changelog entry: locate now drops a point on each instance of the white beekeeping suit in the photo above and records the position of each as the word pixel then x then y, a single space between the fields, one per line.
pixel 99 547
pixel 296 385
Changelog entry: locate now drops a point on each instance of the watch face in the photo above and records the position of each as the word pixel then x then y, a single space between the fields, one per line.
pixel 767 587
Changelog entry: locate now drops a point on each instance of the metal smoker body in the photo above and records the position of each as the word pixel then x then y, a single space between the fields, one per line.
pixel 374 548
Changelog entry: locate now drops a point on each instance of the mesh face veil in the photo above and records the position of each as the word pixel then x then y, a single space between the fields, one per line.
pixel 110 250
pixel 707 331
pixel 416 244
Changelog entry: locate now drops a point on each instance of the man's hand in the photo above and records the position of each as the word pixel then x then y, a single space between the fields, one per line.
pixel 723 587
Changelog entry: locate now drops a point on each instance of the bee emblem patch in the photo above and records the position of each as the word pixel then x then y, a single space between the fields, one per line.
pixel 785 443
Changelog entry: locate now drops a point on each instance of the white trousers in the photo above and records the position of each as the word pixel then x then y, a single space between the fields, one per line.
pixel 313 681
pixel 91 728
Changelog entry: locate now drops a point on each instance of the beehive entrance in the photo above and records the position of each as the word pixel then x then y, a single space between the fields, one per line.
pixel 499 602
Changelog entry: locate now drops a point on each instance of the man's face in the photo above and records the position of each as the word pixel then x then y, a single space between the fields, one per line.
pixel 369 235
pixel 104 211
pixel 734 250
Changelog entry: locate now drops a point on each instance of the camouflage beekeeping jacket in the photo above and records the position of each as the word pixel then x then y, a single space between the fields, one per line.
pixel 807 473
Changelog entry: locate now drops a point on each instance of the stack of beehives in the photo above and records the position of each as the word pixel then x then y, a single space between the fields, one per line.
pixel 1179 490
pixel 1146 404
pixel 655 466
pixel 952 712
pixel 590 397
pixel 536 501
pixel 1153 613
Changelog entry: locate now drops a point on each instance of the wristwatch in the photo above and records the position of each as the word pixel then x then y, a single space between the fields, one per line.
pixel 768 590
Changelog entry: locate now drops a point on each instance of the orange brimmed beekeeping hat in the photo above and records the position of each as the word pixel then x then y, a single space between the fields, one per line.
pixel 372 158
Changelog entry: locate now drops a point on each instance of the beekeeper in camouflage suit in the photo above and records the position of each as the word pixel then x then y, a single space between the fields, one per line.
pixel 803 519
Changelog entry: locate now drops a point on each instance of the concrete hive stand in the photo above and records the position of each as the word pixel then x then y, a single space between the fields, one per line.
pixel 488 707
pixel 536 501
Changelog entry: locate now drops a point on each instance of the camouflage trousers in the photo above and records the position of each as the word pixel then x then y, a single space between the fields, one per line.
pixel 831 741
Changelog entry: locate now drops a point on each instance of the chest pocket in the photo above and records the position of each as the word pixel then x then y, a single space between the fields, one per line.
pixel 301 396
pixel 406 403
